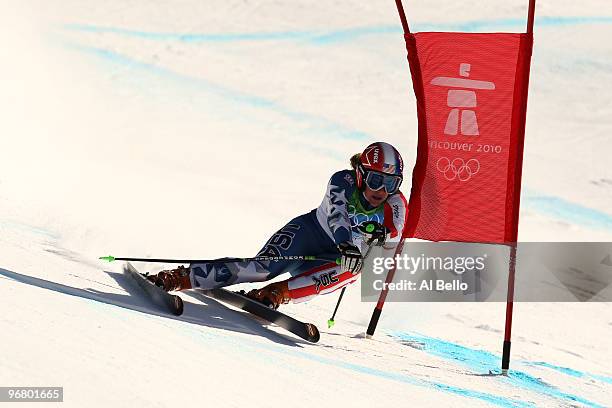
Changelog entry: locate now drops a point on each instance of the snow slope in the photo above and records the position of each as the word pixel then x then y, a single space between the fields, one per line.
pixel 191 129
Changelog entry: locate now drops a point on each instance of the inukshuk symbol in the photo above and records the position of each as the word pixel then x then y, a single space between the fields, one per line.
pixel 462 101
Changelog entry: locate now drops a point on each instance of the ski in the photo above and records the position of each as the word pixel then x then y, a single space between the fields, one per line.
pixel 306 331
pixel 174 305
pixel 170 303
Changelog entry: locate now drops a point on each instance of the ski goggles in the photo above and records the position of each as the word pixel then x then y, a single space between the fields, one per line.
pixel 375 181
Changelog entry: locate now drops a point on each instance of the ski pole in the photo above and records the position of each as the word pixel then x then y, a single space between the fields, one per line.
pixel 331 322
pixel 111 258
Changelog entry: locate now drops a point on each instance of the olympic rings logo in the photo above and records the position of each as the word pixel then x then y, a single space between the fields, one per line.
pixel 457 169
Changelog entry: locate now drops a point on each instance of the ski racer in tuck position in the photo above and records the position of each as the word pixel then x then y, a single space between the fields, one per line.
pixel 366 195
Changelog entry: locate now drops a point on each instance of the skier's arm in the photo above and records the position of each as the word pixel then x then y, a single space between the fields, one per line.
pixel 339 190
pixel 396 217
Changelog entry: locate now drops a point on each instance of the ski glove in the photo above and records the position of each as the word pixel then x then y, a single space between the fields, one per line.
pixel 351 259
pixel 374 232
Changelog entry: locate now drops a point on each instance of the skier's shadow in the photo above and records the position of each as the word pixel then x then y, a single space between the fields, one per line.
pixel 210 314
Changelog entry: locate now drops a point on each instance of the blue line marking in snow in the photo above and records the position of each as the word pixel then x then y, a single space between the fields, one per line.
pixel 322 37
pixel 192 37
pixel 466 26
pixel 564 210
pixel 350 34
pixel 602 378
pixel 482 361
pixel 570 371
pixel 520 23
pixel 316 37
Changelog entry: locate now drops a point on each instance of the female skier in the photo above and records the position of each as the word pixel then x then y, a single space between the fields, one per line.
pixel 366 195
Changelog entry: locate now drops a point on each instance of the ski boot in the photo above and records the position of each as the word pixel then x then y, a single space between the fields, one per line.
pixel 272 295
pixel 173 279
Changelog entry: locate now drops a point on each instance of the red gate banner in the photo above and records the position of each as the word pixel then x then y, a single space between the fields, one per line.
pixel 471 92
